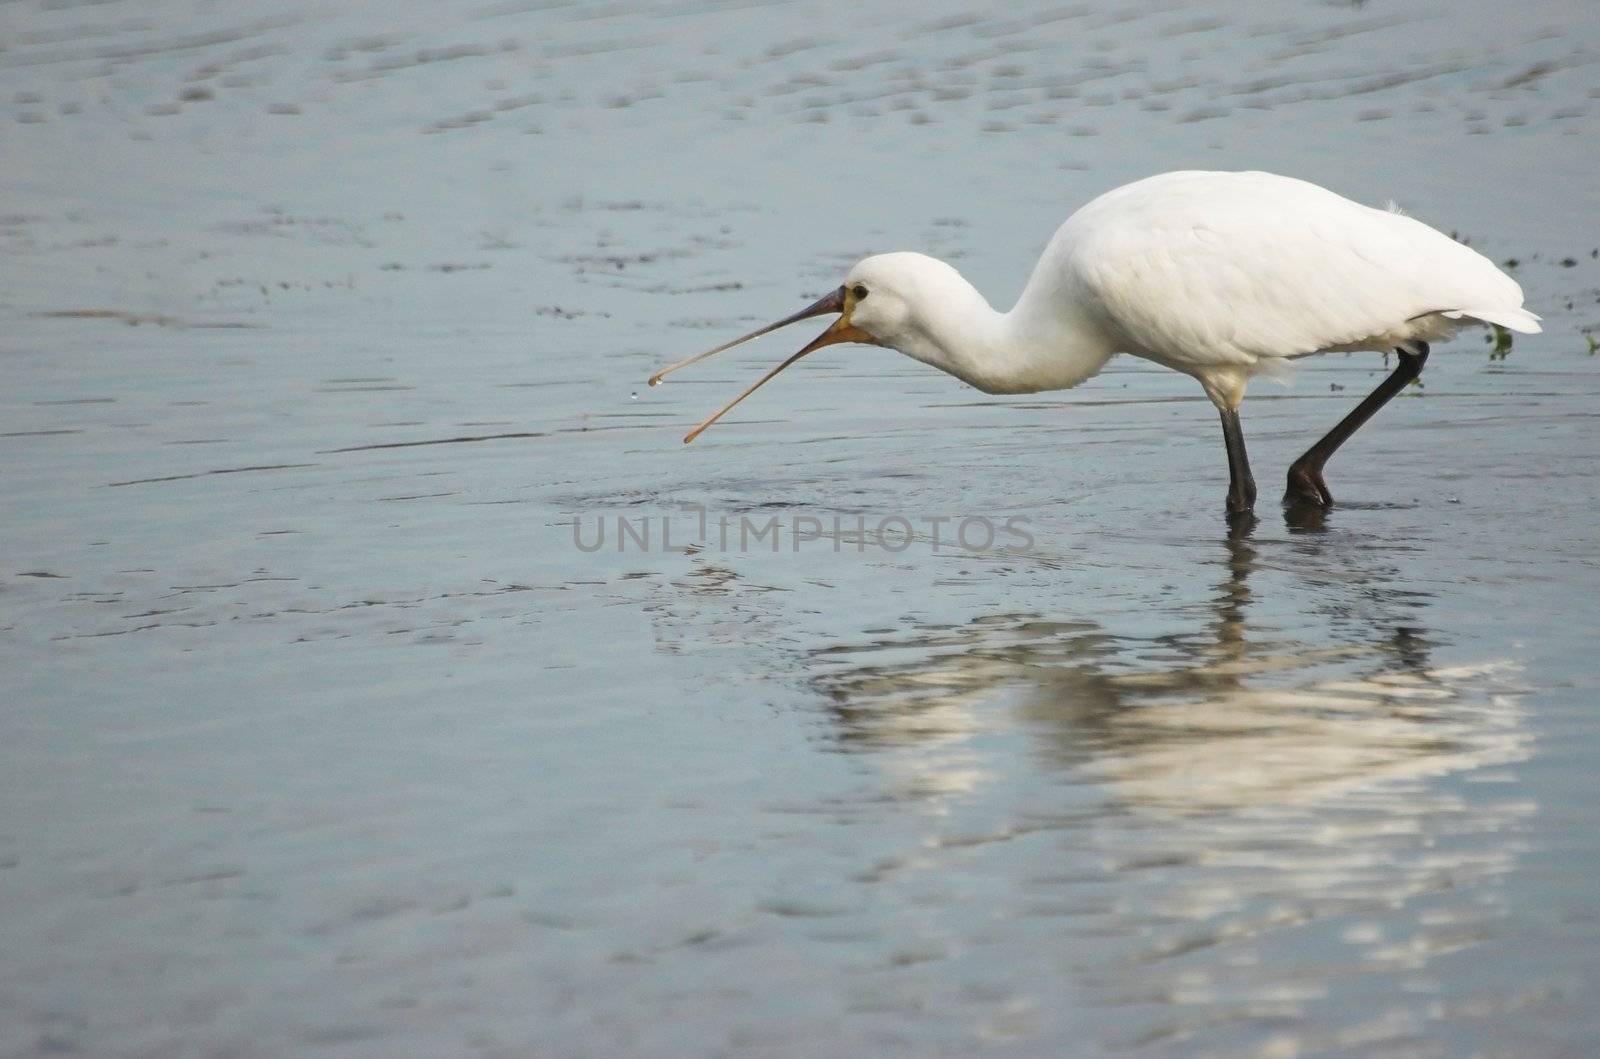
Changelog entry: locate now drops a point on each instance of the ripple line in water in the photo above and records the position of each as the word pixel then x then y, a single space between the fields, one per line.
pixel 437 441
pixel 203 474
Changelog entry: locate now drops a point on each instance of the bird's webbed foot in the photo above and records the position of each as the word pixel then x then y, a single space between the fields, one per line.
pixel 1307 488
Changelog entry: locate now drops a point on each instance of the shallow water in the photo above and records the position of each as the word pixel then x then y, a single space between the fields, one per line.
pixel 328 731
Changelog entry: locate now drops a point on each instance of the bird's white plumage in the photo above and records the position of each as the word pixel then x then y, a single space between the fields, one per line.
pixel 1219 275
pixel 1226 268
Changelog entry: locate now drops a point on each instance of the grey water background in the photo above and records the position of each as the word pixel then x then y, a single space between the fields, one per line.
pixel 323 324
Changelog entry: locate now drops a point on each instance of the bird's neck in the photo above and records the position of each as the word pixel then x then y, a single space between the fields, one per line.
pixel 1044 343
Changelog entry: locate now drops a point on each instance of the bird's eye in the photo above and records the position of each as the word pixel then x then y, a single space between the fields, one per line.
pixel 859 291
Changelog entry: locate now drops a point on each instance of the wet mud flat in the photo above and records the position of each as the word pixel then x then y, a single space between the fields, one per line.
pixel 326 730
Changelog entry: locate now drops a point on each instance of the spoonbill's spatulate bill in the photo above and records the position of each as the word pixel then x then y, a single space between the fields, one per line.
pixel 1222 276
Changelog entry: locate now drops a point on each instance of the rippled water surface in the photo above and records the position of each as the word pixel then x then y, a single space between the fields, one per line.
pixel 326 728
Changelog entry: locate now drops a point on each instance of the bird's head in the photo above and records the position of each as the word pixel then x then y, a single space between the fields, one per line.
pixel 877 305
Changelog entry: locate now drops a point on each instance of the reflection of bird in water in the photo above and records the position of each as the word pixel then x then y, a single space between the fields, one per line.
pixel 1275 724
pixel 1227 801
pixel 1222 719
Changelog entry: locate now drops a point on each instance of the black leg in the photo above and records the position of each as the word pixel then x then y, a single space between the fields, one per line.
pixel 1306 486
pixel 1241 487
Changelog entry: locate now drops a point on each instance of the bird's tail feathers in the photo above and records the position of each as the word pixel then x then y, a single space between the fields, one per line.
pixel 1511 319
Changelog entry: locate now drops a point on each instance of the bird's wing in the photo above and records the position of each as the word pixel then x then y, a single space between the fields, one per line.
pixel 1209 277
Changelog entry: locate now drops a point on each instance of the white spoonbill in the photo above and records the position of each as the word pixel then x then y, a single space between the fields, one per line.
pixel 1222 276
